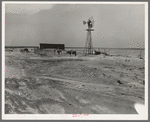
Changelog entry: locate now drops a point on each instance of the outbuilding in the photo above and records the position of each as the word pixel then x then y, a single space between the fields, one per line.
pixel 52 46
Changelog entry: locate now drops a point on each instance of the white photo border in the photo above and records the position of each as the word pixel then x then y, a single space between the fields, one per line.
pixel 70 116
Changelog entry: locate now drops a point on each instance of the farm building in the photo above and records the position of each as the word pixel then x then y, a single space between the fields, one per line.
pixel 52 46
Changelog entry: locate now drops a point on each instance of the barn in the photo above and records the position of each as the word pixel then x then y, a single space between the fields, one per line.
pixel 52 46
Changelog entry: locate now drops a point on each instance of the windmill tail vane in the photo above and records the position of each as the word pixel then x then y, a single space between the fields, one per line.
pixel 84 22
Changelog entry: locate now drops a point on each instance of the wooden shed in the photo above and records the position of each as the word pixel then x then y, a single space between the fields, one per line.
pixel 52 46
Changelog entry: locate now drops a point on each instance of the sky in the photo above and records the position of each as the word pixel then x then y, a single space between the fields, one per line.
pixel 116 25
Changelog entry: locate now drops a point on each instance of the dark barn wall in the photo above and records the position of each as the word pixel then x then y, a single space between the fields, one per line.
pixel 56 46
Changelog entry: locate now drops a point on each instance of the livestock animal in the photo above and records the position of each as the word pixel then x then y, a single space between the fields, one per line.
pixel 24 50
pixel 105 53
pixel 10 50
pixel 58 51
pixel 72 52
pixel 97 52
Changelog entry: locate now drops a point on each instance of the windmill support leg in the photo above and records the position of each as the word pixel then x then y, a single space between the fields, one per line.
pixel 88 44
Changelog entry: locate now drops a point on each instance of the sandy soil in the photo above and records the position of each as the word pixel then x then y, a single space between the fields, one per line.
pixel 72 85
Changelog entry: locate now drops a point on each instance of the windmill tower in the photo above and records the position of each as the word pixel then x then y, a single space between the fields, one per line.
pixel 88 44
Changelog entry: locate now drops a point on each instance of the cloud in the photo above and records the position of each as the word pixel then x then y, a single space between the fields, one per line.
pixel 26 8
pixel 120 25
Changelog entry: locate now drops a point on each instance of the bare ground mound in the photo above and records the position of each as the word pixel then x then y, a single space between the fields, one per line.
pixel 72 85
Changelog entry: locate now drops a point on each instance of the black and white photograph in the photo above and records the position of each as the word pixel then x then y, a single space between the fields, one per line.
pixel 75 60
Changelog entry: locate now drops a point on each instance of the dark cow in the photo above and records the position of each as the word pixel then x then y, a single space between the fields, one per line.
pixel 105 53
pixel 58 51
pixel 97 52
pixel 24 50
pixel 10 50
pixel 72 52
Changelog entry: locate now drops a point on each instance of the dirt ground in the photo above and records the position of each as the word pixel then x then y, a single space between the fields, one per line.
pixel 97 84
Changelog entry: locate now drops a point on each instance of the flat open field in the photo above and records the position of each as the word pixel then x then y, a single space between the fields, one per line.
pixel 40 83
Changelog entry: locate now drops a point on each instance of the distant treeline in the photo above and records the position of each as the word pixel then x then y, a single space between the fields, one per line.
pixel 106 48
pixel 21 46
pixel 76 47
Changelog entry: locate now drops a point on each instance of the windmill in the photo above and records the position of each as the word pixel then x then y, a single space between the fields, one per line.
pixel 88 44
